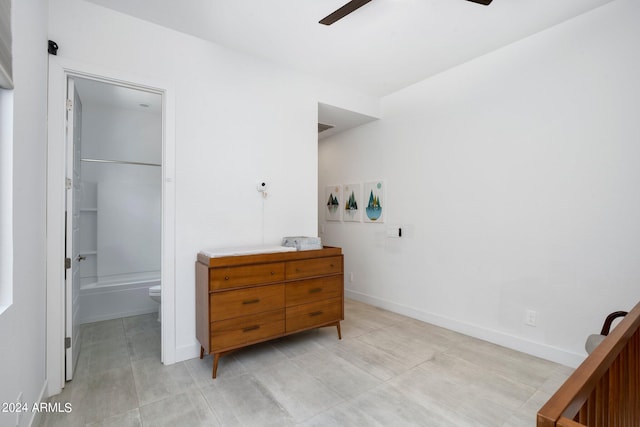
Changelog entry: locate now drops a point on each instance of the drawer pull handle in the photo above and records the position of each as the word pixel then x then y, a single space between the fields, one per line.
pixel 226 277
pixel 273 272
pixel 331 265
pixel 251 301
pixel 315 313
pixel 250 328
pixel 315 290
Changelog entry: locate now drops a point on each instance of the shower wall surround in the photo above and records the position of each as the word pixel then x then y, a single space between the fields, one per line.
pixel 121 206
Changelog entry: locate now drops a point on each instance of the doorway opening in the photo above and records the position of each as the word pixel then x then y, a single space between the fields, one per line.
pixel 114 211
pixel 113 207
pixel 110 209
pixel 120 194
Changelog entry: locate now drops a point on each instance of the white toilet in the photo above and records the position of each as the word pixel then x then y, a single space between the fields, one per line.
pixel 155 293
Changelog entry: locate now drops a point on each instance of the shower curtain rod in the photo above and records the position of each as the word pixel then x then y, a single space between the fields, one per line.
pixel 120 162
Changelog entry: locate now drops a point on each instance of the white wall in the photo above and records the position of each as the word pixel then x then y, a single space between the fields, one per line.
pixel 515 177
pixel 120 133
pixel 22 326
pixel 238 121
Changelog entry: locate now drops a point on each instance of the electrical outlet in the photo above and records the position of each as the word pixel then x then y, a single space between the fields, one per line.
pixel 530 317
pixel 351 277
pixel 394 231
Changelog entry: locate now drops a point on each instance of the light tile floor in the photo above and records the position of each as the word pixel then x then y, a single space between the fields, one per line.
pixel 388 370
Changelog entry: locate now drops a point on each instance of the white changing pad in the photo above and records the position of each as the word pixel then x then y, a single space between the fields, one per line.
pixel 245 250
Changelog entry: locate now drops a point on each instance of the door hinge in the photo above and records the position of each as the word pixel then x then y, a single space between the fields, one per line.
pixel 67 342
pixel 67 263
pixel 67 183
pixel 69 105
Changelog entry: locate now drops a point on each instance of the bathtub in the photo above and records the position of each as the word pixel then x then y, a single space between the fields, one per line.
pixel 116 297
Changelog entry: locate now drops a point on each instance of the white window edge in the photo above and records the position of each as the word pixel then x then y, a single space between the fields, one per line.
pixel 6 199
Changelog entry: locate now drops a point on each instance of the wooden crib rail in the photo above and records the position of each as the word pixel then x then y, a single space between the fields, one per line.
pixel 605 389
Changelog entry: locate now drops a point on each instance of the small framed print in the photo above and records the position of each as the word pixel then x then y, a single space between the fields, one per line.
pixel 333 202
pixel 352 202
pixel 374 199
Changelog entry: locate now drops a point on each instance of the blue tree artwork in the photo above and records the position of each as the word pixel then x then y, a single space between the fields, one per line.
pixel 375 202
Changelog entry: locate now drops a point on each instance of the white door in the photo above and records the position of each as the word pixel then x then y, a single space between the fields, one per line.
pixel 72 220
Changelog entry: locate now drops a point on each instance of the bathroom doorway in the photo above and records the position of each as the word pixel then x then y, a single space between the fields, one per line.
pixel 146 258
pixel 114 206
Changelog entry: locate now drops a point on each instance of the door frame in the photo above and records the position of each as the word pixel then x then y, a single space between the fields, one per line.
pixel 59 70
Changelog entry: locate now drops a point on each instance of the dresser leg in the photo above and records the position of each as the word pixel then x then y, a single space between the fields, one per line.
pixel 339 333
pixel 216 357
pixel 201 352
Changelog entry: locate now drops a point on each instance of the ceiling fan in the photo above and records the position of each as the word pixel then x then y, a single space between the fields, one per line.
pixel 357 4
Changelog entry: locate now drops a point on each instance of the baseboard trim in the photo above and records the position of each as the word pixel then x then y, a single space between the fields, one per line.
pixel 533 348
pixel 187 352
pixel 36 415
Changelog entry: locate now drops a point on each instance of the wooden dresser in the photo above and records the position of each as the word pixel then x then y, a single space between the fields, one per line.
pixel 246 299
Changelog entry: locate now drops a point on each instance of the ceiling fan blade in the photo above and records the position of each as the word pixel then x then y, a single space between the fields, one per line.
pixel 484 2
pixel 344 11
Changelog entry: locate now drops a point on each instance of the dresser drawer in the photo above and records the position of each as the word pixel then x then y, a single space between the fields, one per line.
pixel 242 302
pixel 313 267
pixel 309 315
pixel 233 277
pixel 310 290
pixel 226 334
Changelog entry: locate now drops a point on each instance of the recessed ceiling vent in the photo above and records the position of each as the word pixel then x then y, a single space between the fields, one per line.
pixel 322 127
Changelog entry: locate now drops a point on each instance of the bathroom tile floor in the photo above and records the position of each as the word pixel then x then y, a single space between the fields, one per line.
pixel 388 370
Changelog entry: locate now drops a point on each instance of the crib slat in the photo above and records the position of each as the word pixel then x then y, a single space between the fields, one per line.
pixel 605 389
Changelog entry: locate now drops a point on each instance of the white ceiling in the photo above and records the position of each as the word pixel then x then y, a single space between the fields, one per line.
pixel 382 47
